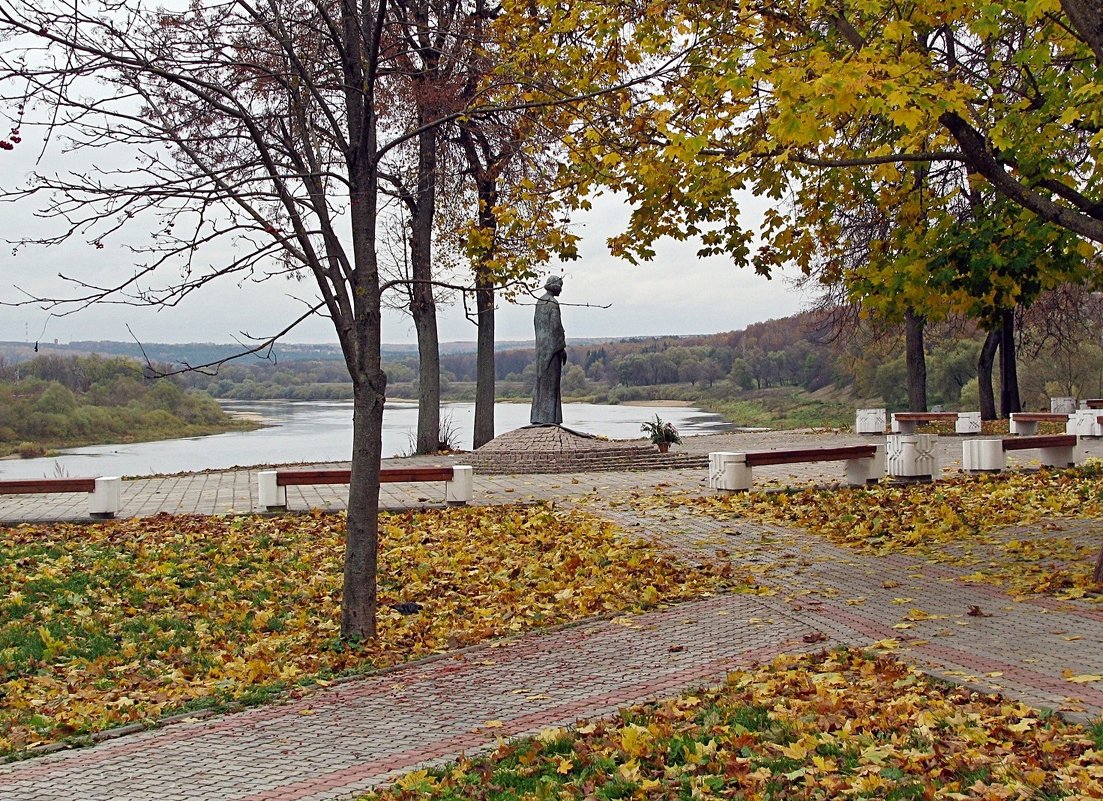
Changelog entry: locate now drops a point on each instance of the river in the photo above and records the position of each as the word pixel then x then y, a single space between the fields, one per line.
pixel 321 431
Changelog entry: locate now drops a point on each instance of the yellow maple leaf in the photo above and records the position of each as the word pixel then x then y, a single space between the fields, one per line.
pixel 635 740
pixel 1084 678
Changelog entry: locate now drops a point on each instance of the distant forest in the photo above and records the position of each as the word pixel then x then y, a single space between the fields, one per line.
pixel 848 360
pixel 797 370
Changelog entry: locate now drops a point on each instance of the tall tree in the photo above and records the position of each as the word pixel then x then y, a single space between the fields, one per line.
pixel 432 46
pixel 253 124
pixel 240 138
pixel 814 107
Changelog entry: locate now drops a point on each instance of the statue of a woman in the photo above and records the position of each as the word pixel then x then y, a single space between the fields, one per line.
pixel 551 355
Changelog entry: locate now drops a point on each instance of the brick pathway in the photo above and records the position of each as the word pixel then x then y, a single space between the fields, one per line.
pixel 337 742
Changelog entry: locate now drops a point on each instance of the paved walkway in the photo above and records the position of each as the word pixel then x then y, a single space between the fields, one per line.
pixel 341 741
pixel 235 491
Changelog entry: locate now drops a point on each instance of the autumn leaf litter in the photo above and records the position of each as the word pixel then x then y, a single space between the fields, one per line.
pixel 126 621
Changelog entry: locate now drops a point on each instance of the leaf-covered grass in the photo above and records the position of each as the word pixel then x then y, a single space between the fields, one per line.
pixel 968 521
pixel 839 724
pixel 106 624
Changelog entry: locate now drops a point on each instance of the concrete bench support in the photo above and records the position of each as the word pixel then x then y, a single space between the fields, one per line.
pixel 1085 423
pixel 1062 404
pixel 734 471
pixel 990 455
pixel 870 421
pixel 106 499
pixel 461 489
pixel 912 455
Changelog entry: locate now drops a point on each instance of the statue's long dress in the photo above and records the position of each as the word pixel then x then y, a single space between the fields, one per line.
pixel 547 401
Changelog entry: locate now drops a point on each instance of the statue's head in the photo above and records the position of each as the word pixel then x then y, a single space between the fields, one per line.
pixel 554 284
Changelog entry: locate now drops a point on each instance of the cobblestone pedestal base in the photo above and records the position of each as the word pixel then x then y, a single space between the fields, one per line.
pixel 554 449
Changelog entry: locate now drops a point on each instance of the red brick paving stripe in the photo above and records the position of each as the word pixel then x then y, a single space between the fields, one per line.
pixel 966 659
pixel 354 776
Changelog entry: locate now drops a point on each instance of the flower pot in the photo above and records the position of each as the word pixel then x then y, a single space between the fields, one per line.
pixel 663 446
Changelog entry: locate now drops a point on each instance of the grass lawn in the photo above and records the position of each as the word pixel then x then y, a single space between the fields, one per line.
pixel 839 724
pixel 1003 529
pixel 126 621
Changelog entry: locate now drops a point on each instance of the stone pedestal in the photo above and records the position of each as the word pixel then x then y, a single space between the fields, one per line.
pixel 980 455
pixel 1085 423
pixel 1062 405
pixel 912 455
pixel 729 471
pixel 967 423
pixel 106 500
pixel 869 421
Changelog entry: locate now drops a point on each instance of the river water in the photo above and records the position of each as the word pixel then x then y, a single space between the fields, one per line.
pixel 321 431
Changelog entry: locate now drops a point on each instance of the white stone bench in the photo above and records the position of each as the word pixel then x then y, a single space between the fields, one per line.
pixel 908 422
pixel 458 481
pixel 1026 423
pixel 733 471
pixel 104 493
pixel 1054 450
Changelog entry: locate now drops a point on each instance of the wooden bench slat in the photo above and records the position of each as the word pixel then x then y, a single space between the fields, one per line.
pixel 20 486
pixel 794 456
pixel 1041 441
pixel 1094 403
pixel 926 416
pixel 387 475
pixel 400 474
pixel 1041 417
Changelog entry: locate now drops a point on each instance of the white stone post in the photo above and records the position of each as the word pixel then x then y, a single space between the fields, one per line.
pixel 869 421
pixel 912 455
pixel 1062 405
pixel 1084 423
pixel 270 495
pixel 729 471
pixel 983 455
pixel 967 423
pixel 907 427
pixel 461 489
pixel 866 470
pixel 107 499
pixel 1025 428
pixel 1062 456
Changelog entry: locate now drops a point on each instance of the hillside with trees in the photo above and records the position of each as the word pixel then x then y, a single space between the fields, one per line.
pixel 810 369
pixel 52 402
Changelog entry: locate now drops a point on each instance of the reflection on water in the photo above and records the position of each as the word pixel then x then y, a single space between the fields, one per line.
pixel 321 431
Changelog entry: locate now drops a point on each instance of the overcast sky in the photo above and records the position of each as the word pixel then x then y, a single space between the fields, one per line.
pixel 677 293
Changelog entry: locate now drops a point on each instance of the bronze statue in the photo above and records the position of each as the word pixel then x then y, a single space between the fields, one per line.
pixel 551 355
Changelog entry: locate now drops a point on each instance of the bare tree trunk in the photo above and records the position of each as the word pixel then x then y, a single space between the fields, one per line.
pixel 985 363
pixel 359 591
pixel 484 307
pixel 1009 376
pixel 423 307
pixel 484 361
pixel 915 360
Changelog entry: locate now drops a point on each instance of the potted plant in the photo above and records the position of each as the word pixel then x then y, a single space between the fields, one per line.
pixel 662 433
